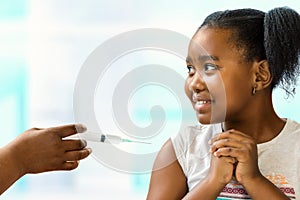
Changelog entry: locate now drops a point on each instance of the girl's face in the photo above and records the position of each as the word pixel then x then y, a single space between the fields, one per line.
pixel 219 82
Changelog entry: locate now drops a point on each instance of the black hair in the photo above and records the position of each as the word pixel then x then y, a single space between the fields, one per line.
pixel 274 36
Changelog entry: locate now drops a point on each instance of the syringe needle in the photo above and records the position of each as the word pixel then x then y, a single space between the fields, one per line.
pixel 127 140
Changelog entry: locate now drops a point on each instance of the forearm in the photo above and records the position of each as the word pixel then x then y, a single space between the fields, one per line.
pixel 9 170
pixel 261 188
pixel 206 189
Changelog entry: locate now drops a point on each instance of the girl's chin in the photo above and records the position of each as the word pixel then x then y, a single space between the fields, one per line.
pixel 207 119
pixel 204 120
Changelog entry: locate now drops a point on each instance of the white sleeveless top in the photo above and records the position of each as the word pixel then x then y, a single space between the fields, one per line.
pixel 278 159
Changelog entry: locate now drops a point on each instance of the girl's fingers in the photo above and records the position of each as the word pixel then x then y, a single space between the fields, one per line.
pixel 230 134
pixel 230 159
pixel 226 143
pixel 241 154
pixel 234 144
pixel 226 151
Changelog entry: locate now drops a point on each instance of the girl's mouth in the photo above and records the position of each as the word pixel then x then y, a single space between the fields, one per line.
pixel 201 102
pixel 202 106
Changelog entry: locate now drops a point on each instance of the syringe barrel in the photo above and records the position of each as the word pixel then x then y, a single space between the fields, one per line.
pixel 111 139
pixel 90 136
pixel 94 137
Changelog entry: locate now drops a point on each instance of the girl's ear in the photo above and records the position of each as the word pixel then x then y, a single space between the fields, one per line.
pixel 263 77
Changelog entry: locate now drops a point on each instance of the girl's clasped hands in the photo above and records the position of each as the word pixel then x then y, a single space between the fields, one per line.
pixel 234 154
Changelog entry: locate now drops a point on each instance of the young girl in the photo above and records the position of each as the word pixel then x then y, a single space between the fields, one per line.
pixel 242 149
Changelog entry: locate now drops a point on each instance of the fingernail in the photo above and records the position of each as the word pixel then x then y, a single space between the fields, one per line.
pixel 80 128
pixel 89 150
pixel 215 154
pixel 209 142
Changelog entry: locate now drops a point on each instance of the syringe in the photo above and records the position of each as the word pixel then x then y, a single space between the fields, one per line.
pixel 106 138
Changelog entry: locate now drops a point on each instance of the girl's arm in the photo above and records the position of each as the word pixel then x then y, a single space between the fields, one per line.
pixel 259 184
pixel 220 173
pixel 167 179
pixel 169 182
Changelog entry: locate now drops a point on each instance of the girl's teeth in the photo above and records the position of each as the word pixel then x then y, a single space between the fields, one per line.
pixel 201 102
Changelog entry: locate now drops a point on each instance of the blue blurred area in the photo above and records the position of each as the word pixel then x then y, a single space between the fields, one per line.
pixel 13 9
pixel 13 70
pixel 13 77
pixel 13 98
pixel 286 105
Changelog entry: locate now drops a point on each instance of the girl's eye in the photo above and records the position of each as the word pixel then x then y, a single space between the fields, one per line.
pixel 210 67
pixel 191 69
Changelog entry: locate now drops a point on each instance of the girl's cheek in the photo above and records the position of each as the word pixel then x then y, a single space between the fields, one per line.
pixel 187 90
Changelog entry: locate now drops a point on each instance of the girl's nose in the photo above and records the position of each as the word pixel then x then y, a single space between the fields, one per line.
pixel 197 83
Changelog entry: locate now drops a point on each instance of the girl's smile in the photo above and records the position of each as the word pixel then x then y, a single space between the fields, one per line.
pixel 219 83
pixel 202 104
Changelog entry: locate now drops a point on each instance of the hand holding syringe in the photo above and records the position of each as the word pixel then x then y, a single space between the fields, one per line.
pixel 114 139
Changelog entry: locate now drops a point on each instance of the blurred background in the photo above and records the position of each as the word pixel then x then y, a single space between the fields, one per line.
pixel 43 44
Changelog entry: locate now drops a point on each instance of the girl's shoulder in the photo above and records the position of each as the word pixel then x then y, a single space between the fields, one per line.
pixel 200 131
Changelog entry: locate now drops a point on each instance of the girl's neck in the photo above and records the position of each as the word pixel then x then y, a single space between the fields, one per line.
pixel 263 124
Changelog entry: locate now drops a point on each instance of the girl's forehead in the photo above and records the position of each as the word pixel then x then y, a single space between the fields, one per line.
pixel 210 39
pixel 214 42
pixel 212 36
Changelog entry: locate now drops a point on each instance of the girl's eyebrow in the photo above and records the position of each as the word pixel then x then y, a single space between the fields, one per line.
pixel 203 58
pixel 188 60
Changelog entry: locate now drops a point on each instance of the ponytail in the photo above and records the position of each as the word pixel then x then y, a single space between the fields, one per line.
pixel 282 46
